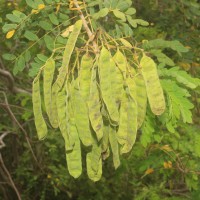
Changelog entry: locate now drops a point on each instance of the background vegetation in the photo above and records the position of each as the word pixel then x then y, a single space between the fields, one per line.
pixel 164 163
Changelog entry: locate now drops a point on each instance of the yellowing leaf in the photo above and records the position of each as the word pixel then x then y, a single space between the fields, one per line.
pixel 10 34
pixel 149 171
pixel 67 31
pixel 57 8
pixel 33 11
pixel 166 148
pixel 167 165
pixel 41 6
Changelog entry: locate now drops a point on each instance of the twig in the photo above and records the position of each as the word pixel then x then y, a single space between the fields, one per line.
pixel 22 129
pixel 85 24
pixel 11 82
pixel 9 177
pixel 2 144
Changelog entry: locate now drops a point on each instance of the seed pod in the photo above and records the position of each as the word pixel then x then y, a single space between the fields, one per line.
pixel 107 74
pixel 53 117
pixel 154 90
pixel 39 120
pixel 61 107
pixel 94 106
pixel 121 64
pixel 94 161
pixel 126 134
pixel 73 157
pixel 105 142
pixel 141 98
pixel 114 147
pixel 81 115
pixel 94 176
pixel 47 83
pixel 67 53
pixel 85 76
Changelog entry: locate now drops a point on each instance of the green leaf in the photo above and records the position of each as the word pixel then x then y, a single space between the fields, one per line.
pixel 31 4
pixel 8 27
pixel 8 56
pixel 19 14
pixel 181 76
pixel 130 11
pixel 42 57
pixel 30 36
pixel 162 58
pixel 45 25
pixel 49 41
pixel 178 100
pixel 101 13
pixel 141 22
pixel 27 56
pixel 13 18
pixel 124 5
pixel 119 15
pixel 148 128
pixel 53 18
pixel 21 63
pixel 162 44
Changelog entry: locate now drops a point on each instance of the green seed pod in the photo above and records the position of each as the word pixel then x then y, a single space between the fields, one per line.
pixel 67 53
pixel 48 74
pixel 154 90
pixel 81 115
pixel 114 146
pixel 85 76
pixel 53 117
pixel 62 118
pixel 105 142
pixel 141 98
pixel 107 75
pixel 73 157
pixel 126 134
pixel 94 106
pixel 39 120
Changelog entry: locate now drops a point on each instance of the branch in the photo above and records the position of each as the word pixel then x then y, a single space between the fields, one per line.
pixel 11 82
pixel 89 32
pixel 9 177
pixel 22 129
pixel 2 144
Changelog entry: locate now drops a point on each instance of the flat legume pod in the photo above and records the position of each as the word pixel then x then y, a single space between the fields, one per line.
pixel 154 90
pixel 126 134
pixel 67 53
pixel 62 118
pixel 73 157
pixel 81 115
pixel 48 74
pixel 39 120
pixel 114 146
pixel 107 75
pixel 85 76
pixel 94 106
pixel 141 98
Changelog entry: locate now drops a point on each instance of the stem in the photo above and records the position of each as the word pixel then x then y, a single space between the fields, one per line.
pixel 85 24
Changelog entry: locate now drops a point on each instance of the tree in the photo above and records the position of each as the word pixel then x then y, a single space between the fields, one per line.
pixel 101 100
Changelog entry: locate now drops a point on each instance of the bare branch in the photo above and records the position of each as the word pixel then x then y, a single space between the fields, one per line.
pixel 21 128
pixel 9 177
pixel 2 144
pixel 11 82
